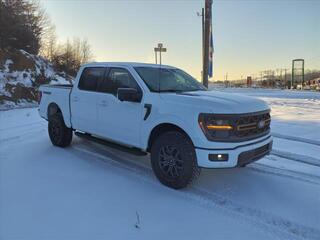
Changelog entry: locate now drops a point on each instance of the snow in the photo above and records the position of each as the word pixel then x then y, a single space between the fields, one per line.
pixel 23 77
pixel 91 191
pixel 6 64
pixel 42 64
pixel 294 113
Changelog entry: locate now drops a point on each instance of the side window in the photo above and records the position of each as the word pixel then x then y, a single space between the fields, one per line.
pixel 118 78
pixel 90 78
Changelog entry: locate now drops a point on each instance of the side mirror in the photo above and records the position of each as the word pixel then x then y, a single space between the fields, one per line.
pixel 129 95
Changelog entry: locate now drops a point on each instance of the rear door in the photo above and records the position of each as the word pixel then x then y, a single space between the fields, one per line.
pixel 84 98
pixel 119 121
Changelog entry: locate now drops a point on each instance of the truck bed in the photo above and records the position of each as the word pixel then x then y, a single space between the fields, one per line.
pixel 58 94
pixel 58 85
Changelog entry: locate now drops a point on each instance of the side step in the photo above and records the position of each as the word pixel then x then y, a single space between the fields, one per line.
pixel 131 150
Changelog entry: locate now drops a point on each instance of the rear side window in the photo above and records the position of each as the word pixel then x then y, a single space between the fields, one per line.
pixel 118 78
pixel 90 78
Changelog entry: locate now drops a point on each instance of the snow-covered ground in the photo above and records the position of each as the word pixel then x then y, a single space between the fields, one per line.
pixel 91 191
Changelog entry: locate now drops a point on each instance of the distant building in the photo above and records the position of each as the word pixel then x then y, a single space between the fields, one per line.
pixel 249 81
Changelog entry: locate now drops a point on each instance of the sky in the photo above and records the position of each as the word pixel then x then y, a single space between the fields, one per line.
pixel 249 35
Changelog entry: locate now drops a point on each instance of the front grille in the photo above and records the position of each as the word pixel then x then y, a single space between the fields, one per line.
pixel 246 126
pixel 252 125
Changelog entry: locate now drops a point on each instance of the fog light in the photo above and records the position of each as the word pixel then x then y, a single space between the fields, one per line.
pixel 218 157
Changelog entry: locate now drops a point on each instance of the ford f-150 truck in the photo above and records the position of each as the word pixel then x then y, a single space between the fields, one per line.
pixel 160 110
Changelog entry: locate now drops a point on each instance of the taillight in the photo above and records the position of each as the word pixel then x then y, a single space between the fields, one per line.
pixel 39 96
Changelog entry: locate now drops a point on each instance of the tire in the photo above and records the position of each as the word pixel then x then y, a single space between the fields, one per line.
pixel 60 135
pixel 173 160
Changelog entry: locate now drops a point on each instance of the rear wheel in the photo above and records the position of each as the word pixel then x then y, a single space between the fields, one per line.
pixel 60 135
pixel 173 160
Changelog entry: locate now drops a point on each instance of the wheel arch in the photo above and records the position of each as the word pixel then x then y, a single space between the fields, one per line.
pixel 53 108
pixel 161 128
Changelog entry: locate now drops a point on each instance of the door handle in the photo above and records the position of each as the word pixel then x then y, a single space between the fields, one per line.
pixel 75 99
pixel 103 103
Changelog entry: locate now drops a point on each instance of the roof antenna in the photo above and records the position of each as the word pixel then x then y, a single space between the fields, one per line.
pixel 160 70
pixel 159 73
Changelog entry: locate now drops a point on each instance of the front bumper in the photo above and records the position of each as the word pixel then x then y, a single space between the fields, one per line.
pixel 237 156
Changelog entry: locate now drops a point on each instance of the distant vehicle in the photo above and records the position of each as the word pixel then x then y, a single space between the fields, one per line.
pixel 315 84
pixel 303 87
pixel 160 110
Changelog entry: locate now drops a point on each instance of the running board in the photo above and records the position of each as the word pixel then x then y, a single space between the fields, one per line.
pixel 131 150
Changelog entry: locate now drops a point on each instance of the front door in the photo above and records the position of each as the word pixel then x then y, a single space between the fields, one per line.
pixel 119 121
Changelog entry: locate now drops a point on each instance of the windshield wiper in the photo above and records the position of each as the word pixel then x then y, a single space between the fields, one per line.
pixel 172 90
pixel 198 89
pixel 180 91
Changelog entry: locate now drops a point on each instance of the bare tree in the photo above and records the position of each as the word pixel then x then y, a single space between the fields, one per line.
pixel 86 53
pixel 68 57
pixel 49 43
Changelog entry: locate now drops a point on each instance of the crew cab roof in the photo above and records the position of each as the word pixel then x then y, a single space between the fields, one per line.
pixel 125 64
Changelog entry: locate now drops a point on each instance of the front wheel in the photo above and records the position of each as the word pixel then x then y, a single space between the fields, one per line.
pixel 173 160
pixel 60 135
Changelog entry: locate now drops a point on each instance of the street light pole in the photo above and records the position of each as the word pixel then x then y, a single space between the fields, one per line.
pixel 159 49
pixel 155 55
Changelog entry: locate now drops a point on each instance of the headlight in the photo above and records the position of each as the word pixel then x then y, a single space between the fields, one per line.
pixel 215 127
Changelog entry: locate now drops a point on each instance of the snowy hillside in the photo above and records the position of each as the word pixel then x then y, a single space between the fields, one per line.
pixel 21 74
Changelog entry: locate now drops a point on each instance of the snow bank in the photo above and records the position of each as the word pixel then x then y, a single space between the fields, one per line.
pixel 21 73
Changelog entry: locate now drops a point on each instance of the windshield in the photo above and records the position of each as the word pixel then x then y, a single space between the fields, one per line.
pixel 168 80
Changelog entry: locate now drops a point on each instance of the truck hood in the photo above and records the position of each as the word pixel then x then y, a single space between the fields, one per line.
pixel 218 102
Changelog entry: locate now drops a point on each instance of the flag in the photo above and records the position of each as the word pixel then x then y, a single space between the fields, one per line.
pixel 210 68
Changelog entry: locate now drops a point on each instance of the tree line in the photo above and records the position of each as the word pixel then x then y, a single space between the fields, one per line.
pixel 24 24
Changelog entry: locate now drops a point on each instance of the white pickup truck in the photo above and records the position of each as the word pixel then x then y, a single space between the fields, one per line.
pixel 159 110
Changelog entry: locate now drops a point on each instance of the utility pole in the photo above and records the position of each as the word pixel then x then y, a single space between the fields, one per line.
pixel 202 20
pixel 207 24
